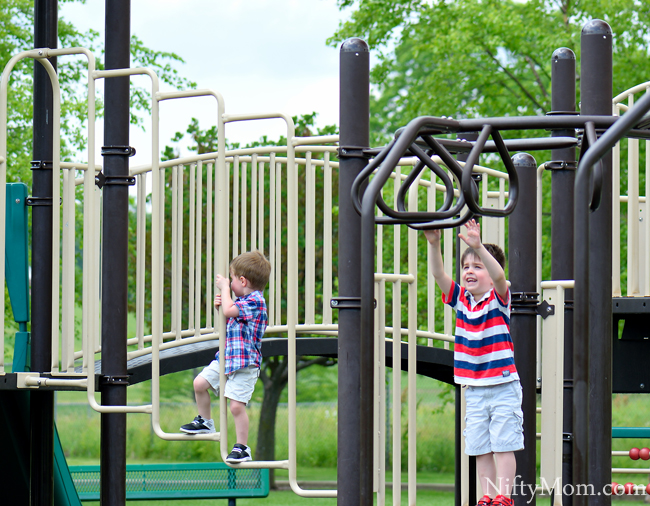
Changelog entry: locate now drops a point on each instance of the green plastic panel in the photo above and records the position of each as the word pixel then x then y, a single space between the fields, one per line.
pixel 65 493
pixel 631 432
pixel 16 251
pixel 177 481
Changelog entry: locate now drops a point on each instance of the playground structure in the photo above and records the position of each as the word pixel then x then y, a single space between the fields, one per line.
pixel 205 198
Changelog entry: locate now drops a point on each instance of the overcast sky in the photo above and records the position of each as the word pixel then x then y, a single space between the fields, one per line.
pixel 261 55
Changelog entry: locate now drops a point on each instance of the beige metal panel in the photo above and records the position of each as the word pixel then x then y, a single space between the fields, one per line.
pixel 552 385
pixel 491 226
pixel 645 229
pixel 271 302
pixel 141 233
pixel 310 241
pixel 68 274
pixel 412 306
pixel 235 207
pixel 253 205
pixel 261 225
pixel 243 200
pixel 643 237
pixel 632 214
pixel 431 282
pixel 397 352
pixel 630 470
pixel 449 261
pixel 327 239
pixel 158 247
pixel 381 397
pixel 210 247
pixel 191 265
pixel 538 282
pixel 377 388
pixel 198 241
pixel 616 218
pixel 502 223
pixel 278 243
pixel 397 394
pixel 175 324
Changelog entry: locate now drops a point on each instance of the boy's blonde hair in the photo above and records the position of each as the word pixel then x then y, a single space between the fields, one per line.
pixel 254 266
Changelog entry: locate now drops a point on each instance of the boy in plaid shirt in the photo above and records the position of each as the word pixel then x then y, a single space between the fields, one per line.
pixel 247 321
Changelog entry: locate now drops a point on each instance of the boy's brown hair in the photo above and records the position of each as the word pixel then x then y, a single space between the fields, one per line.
pixel 492 249
pixel 254 266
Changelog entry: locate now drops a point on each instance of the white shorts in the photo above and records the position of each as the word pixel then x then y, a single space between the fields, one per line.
pixel 240 384
pixel 493 419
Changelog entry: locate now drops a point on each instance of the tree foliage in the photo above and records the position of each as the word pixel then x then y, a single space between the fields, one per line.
pixel 480 58
pixel 17 35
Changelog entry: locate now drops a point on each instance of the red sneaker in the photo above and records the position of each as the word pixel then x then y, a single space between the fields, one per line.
pixel 484 501
pixel 502 500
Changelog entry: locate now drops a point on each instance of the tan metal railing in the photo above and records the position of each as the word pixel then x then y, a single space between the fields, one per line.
pixel 638 224
pixel 193 214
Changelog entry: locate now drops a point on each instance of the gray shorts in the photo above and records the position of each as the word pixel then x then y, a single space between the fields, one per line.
pixel 240 384
pixel 493 419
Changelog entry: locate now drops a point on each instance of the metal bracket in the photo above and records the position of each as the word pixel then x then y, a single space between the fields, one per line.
pixel 39 201
pixel 353 152
pixel 114 380
pixel 348 303
pixel 545 309
pixel 561 165
pixel 524 303
pixel 102 180
pixel 567 436
pixel 42 164
pixel 118 150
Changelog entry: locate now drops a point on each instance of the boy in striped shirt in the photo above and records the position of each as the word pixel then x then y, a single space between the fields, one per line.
pixel 484 361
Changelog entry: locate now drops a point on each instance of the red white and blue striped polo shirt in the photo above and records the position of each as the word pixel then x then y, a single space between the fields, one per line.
pixel 483 350
pixel 244 333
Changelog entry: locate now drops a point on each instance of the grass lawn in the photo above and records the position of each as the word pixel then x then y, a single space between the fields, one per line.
pixel 288 498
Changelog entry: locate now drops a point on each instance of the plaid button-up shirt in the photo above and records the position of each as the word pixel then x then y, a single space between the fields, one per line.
pixel 244 333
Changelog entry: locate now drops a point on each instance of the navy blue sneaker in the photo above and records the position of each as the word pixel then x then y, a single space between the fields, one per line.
pixel 239 453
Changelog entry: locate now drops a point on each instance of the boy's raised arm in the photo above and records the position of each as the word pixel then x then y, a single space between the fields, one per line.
pixel 443 280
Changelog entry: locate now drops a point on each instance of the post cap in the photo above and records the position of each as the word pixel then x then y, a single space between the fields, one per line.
pixel 596 27
pixel 354 45
pixel 563 53
pixel 524 160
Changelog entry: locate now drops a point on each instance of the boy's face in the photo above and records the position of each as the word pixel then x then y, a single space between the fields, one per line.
pixel 238 284
pixel 475 277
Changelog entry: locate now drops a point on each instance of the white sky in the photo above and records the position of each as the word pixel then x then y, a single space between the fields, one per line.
pixel 261 55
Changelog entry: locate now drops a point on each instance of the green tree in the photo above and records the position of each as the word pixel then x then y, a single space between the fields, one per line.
pixel 485 58
pixel 481 58
pixel 17 34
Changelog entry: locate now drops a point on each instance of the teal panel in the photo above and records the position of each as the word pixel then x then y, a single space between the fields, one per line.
pixel 65 493
pixel 178 481
pixel 22 347
pixel 16 257
pixel 631 432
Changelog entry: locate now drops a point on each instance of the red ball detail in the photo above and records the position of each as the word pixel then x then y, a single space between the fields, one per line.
pixel 647 489
pixel 615 488
pixel 634 453
pixel 628 488
pixel 644 453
